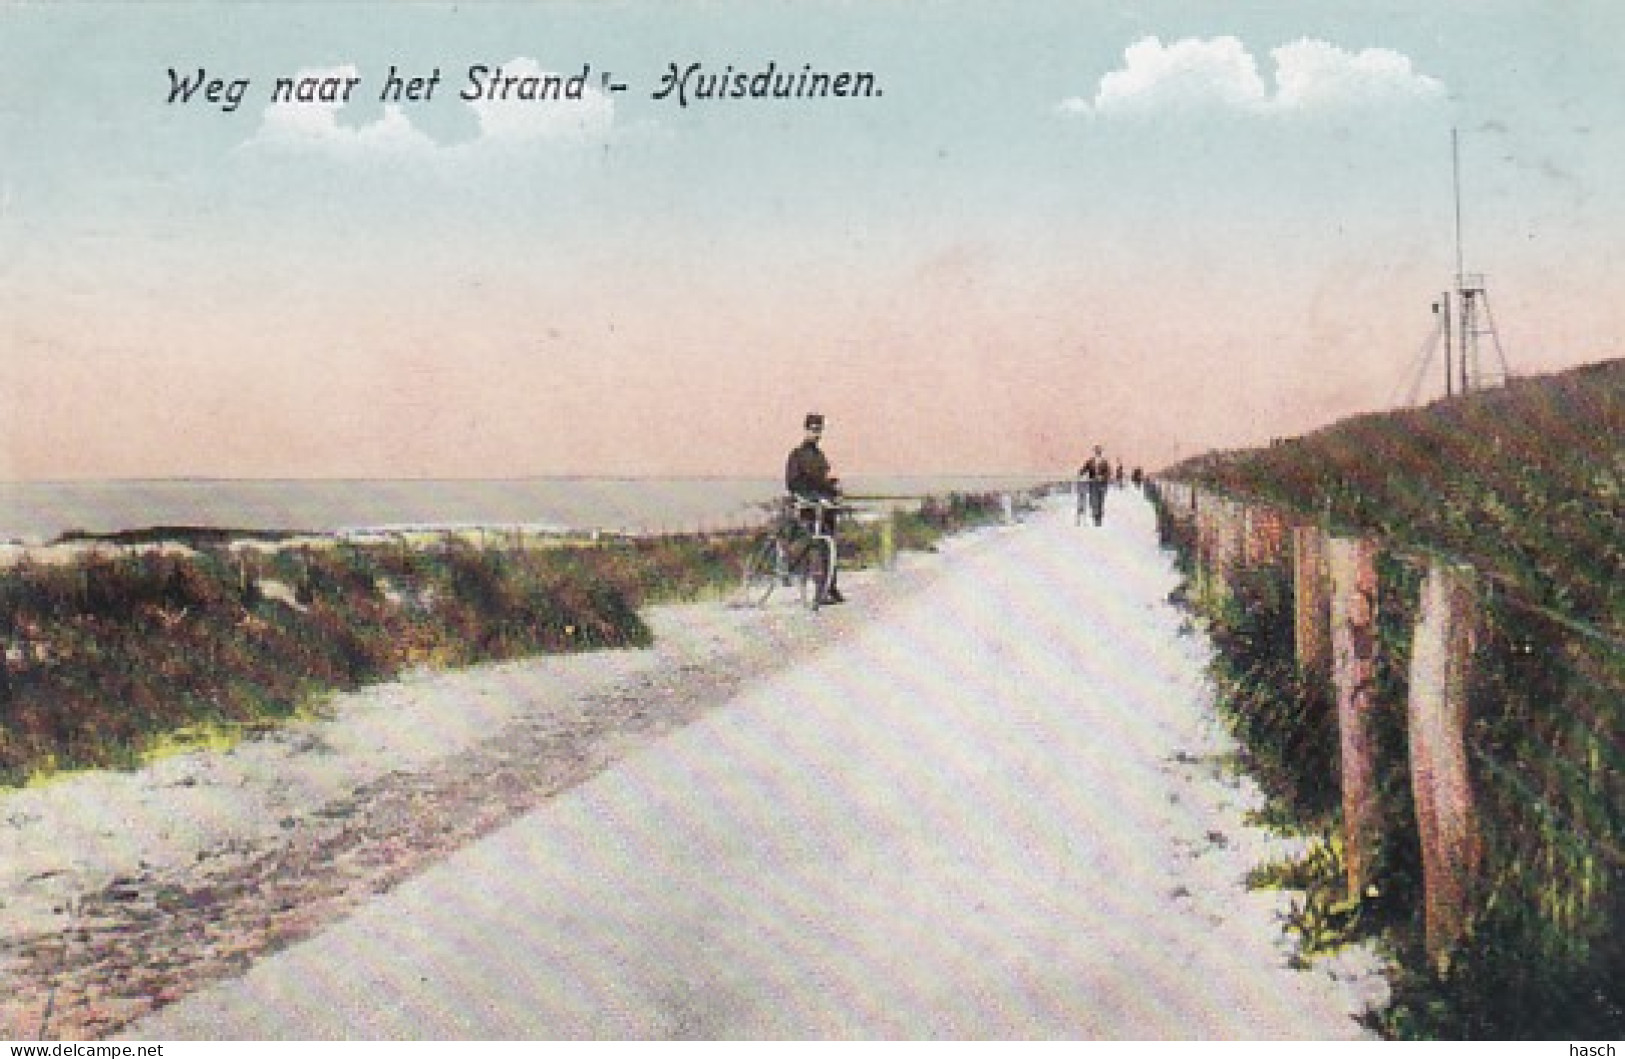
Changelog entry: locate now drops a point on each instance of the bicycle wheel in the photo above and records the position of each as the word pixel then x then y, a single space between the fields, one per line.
pixel 764 567
pixel 815 569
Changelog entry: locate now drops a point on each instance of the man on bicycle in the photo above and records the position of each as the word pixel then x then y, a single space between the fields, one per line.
pixel 807 477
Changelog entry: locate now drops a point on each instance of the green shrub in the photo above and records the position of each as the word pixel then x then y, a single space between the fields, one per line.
pixel 1528 484
pixel 1285 722
pixel 115 652
pixel 120 651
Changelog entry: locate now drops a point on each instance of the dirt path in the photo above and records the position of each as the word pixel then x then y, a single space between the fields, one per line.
pixel 121 892
pixel 996 807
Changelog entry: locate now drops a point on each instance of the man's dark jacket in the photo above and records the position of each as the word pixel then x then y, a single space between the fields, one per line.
pixel 807 471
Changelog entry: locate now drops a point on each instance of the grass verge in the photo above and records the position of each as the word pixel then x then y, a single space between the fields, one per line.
pixel 113 658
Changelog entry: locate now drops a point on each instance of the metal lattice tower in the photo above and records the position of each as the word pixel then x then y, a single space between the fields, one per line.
pixel 1469 336
pixel 1476 335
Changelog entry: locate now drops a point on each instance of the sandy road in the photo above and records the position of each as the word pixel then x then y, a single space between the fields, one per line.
pixel 995 811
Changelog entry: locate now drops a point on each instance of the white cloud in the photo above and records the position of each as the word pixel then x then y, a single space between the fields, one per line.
pixel 516 120
pixel 1220 73
pixel 1183 74
pixel 1310 73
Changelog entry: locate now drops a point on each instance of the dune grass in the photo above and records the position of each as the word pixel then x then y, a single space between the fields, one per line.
pixel 1527 484
pixel 114 657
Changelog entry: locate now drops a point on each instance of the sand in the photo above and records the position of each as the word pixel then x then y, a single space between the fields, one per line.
pixel 121 893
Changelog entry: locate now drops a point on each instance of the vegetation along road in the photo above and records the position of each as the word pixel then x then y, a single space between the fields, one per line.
pixel 993 806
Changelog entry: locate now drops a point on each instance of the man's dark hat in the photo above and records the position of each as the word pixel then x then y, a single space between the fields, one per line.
pixel 815 421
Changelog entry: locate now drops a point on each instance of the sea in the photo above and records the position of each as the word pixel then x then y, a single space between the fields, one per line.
pixel 33 513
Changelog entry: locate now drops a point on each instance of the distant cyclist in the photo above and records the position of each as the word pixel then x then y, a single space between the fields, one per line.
pixel 807 477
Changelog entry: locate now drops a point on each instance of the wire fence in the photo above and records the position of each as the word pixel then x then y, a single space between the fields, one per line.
pixel 1543 927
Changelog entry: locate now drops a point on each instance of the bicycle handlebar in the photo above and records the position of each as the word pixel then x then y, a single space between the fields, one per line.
pixel 821 503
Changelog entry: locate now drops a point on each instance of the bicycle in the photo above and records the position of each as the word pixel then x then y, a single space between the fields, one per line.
pixel 798 549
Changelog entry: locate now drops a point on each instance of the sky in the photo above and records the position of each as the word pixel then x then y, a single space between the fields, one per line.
pixel 1164 228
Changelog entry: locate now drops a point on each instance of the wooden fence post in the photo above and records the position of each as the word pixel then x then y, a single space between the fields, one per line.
pixel 1354 673
pixel 1209 534
pixel 1311 602
pixel 1199 538
pixel 1441 658
pixel 1266 536
pixel 8 634
pixel 1212 544
pixel 1230 535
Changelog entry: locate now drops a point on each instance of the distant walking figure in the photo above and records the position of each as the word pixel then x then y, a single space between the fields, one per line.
pixel 1094 477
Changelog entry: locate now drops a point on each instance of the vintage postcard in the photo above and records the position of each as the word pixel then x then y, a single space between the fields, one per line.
pixel 714 520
